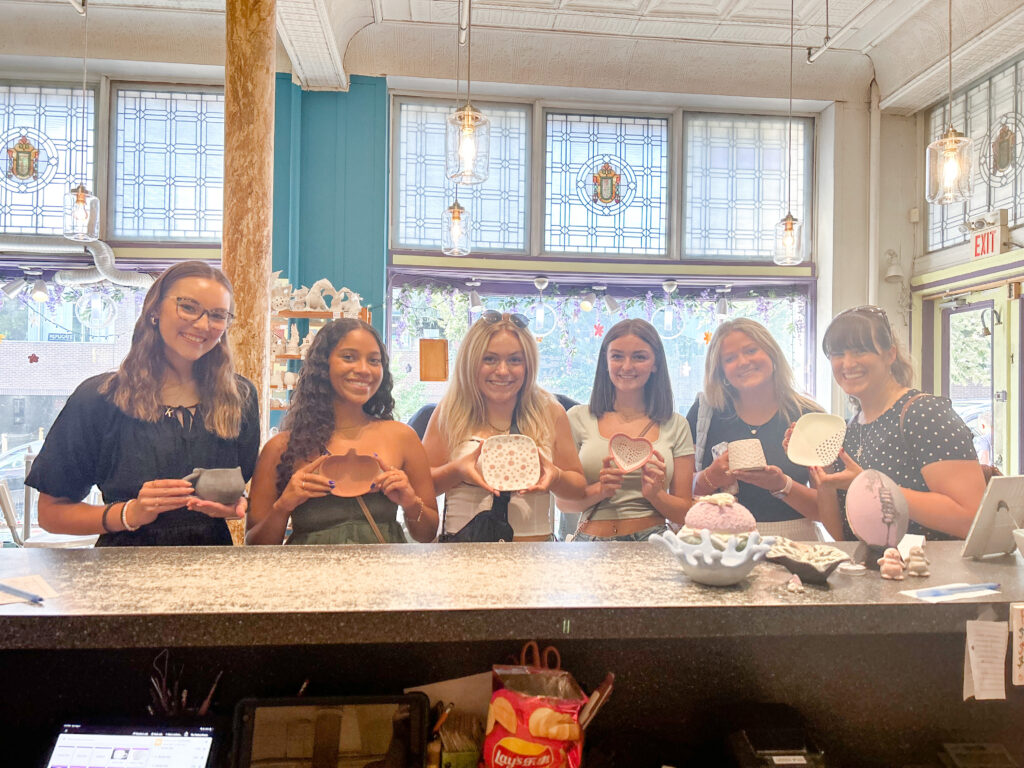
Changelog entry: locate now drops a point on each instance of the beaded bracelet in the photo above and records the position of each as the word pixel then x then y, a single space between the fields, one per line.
pixel 124 517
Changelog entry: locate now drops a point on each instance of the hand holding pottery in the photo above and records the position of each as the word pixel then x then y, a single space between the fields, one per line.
pixel 510 462
pixel 610 478
pixel 306 483
pixel 815 440
pixel 468 472
pixel 223 486
pixel 717 472
pixel 630 453
pixel 653 478
pixel 234 511
pixel 771 478
pixel 840 480
pixel 394 484
pixel 158 496
pixel 548 474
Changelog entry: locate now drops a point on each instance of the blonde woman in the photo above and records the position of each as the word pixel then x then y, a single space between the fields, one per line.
pixel 918 440
pixel 495 392
pixel 175 404
pixel 749 394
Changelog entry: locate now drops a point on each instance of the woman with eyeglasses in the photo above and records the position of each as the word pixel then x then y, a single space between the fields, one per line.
pixel 495 392
pixel 175 404
pixel 342 402
pixel 749 394
pixel 918 440
pixel 632 395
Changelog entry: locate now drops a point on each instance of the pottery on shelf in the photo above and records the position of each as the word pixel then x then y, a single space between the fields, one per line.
pixel 710 561
pixel 746 454
pixel 353 473
pixel 223 486
pixel 510 462
pixel 813 563
pixel 630 453
pixel 816 440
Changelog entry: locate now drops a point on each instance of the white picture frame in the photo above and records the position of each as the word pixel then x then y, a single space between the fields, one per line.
pixel 1000 512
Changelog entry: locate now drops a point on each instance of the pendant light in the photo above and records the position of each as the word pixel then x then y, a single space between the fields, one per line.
pixel 81 207
pixel 455 222
pixel 467 131
pixel 950 176
pixel 789 232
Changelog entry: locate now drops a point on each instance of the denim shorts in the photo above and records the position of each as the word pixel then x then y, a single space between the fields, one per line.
pixel 643 535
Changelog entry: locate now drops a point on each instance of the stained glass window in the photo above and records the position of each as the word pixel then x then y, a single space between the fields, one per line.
pixel 58 148
pixel 606 184
pixel 735 176
pixel 497 207
pixel 168 164
pixel 992 114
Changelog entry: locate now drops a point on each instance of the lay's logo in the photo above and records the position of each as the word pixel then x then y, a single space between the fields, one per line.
pixel 512 752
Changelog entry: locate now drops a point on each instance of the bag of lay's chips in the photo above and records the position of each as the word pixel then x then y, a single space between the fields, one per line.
pixel 533 719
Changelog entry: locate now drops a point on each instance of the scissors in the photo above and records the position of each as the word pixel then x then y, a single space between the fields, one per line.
pixel 533 656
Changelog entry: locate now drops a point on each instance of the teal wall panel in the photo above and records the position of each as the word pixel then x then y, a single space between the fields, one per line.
pixel 330 187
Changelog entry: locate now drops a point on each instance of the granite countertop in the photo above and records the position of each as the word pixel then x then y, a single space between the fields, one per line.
pixel 201 597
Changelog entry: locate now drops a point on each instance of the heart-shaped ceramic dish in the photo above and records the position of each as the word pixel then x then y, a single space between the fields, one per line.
pixel 746 454
pixel 630 453
pixel 352 473
pixel 510 462
pixel 816 440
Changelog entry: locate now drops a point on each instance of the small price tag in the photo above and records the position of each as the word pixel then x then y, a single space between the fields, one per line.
pixel 789 760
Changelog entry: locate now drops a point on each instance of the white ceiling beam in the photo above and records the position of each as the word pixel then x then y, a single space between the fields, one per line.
pixel 305 30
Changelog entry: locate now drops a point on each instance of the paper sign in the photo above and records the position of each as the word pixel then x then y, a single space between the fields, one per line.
pixel 471 693
pixel 35 584
pixel 957 592
pixel 908 541
pixel 1017 642
pixel 985 660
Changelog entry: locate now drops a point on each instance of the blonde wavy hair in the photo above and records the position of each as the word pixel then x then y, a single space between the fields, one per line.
pixel 463 409
pixel 135 387
pixel 719 392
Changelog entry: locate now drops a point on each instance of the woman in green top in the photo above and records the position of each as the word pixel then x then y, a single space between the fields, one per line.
pixel 342 401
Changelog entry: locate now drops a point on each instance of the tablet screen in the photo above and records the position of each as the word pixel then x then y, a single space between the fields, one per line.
pixel 142 745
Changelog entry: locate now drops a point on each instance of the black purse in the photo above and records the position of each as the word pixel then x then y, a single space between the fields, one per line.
pixel 491 524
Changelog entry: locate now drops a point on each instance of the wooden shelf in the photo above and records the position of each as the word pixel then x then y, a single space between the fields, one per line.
pixel 304 314
pixel 287 357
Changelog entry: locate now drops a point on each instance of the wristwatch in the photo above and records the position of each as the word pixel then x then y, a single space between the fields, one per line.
pixel 783 492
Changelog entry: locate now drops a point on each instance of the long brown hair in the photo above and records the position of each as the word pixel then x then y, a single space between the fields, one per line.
pixel 658 402
pixel 135 387
pixel 867 329
pixel 718 391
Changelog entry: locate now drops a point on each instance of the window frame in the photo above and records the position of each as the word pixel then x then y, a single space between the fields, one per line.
pixel 113 86
pixel 396 100
pixel 534 254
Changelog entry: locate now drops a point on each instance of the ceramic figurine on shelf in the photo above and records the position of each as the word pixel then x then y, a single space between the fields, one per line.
pixel 917 562
pixel 315 298
pixel 290 377
pixel 306 344
pixel 795 584
pixel 890 564
pixel 277 347
pixel 280 291
pixel 299 299
pixel 277 379
pixel 350 306
pixel 293 341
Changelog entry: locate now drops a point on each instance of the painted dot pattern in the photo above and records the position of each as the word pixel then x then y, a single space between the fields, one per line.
pixel 510 462
pixel 828 449
pixel 932 431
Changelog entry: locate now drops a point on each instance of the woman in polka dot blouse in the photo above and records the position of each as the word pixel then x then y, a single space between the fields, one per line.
pixel 927 450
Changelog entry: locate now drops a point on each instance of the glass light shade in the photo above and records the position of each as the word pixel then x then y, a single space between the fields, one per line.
pixel 476 304
pixel 81 215
pixel 789 242
pixel 40 294
pixel 467 146
pixel 455 224
pixel 950 169
pixel 588 301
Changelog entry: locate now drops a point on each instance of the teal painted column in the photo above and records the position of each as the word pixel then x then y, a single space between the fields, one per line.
pixel 330 187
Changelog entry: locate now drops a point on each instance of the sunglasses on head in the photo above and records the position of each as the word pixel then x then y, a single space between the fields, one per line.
pixel 492 316
pixel 869 309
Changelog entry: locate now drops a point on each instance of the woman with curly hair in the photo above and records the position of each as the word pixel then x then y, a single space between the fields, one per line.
pixel 175 404
pixel 495 392
pixel 342 401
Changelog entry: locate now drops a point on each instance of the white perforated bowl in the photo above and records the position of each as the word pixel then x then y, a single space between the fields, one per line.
pixel 816 440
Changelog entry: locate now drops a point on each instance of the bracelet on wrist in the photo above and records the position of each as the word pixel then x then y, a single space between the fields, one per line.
pixel 124 517
pixel 419 512
pixel 783 492
pixel 103 518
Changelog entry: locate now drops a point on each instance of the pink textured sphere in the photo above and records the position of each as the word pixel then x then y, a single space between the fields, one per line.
pixel 720 515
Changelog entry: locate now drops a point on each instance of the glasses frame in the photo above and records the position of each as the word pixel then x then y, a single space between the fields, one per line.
pixel 492 316
pixel 214 323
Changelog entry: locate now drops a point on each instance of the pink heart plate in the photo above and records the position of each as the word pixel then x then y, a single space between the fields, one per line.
pixel 510 462
pixel 352 473
pixel 630 452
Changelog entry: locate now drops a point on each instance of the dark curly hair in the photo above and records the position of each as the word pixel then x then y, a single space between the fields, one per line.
pixel 310 416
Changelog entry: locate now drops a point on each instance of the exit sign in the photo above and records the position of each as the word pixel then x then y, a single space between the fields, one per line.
pixel 987 242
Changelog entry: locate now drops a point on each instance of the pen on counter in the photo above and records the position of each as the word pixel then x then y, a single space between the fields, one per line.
pixel 30 597
pixel 942 591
